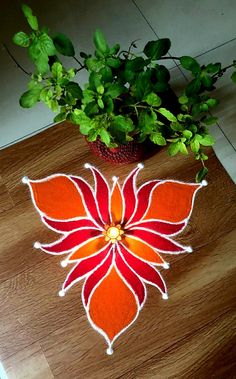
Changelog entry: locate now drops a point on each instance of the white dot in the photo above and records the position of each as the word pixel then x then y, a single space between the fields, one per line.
pixel 140 165
pixel 115 178
pixel 204 183
pixel 61 293
pixel 189 249
pixel 63 263
pixel 164 296
pixel 166 265
pixel 87 165
pixel 25 180
pixel 37 245
pixel 109 351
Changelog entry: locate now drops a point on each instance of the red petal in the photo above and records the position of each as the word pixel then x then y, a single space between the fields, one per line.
pixel 129 193
pixel 131 278
pixel 147 272
pixel 71 241
pixel 68 226
pixel 88 196
pixel 161 227
pixel 84 267
pixel 157 241
pixel 102 195
pixel 143 196
pixel 95 277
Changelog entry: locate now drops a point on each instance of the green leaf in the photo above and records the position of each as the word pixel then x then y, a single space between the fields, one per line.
pixel 30 97
pixel 42 64
pixel 176 126
pixel 116 89
pixel 100 103
pixel 100 41
pixel 46 44
pixel 153 100
pixel 183 99
pixel 201 174
pixel 123 124
pixel 46 94
pixel 91 109
pixel 182 148
pixel 93 64
pixel 106 74
pixel 207 140
pixel 75 90
pixel 158 139
pixel 187 134
pixel 233 77
pixel 114 50
pixel 157 49
pixel 21 39
pixel 113 62
pixel 207 81
pixel 64 45
pixel 60 117
pixel 173 148
pixel 100 89
pixel 213 68
pixel 162 74
pixel 79 117
pixel 210 120
pixel 109 105
pixel 212 102
pixel 57 70
pixel 193 87
pixel 105 136
pixel 195 146
pixel 167 114
pixel 143 85
pixel 190 64
pixel 32 20
pixel 136 64
pixel 93 134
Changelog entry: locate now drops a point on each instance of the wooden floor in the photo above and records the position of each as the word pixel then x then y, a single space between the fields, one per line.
pixel 43 336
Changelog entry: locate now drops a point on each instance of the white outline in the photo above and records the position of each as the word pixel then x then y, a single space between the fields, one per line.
pixel 144 260
pixel 69 220
pixel 137 223
pixel 116 182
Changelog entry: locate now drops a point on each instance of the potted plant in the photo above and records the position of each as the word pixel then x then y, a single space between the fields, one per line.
pixel 128 99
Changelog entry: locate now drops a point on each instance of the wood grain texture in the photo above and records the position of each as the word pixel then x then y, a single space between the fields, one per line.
pixel 192 335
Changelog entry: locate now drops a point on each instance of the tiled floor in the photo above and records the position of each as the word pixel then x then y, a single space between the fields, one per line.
pixel 205 29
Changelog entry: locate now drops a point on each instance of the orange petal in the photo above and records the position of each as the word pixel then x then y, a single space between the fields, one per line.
pixel 142 250
pixel 171 201
pixel 112 306
pixel 91 247
pixel 58 198
pixel 116 204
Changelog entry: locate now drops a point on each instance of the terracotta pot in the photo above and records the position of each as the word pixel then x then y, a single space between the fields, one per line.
pixel 132 152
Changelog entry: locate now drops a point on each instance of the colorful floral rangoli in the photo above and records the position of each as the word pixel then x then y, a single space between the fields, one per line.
pixel 114 239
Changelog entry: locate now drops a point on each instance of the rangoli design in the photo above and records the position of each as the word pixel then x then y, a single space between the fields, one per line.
pixel 114 239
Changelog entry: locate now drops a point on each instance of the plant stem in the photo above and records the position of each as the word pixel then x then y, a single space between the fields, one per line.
pixel 14 60
pixel 177 58
pixel 223 70
pixel 77 60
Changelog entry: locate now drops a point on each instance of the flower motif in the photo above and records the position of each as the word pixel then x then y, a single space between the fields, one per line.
pixel 114 238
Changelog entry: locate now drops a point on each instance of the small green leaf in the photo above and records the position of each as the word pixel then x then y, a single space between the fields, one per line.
pixel 207 81
pixel 190 64
pixel 75 90
pixel 105 136
pixel 210 120
pixel 183 99
pixel 60 117
pixel 201 174
pixel 153 100
pixel 93 64
pixel 136 64
pixel 64 45
pixel 30 97
pixel 100 103
pixel 114 50
pixel 207 140
pixel 233 77
pixel 113 62
pixel 167 114
pixel 21 39
pixel 158 139
pixel 193 87
pixel 123 124
pixel 187 134
pixel 212 102
pixel 32 20
pixel 213 68
pixel 173 148
pixel 100 41
pixel 100 89
pixel 182 148
pixel 195 146
pixel 93 134
pixel 57 70
pixel 176 126
pixel 116 89
pixel 157 49
pixel 46 44
pixel 106 74
pixel 79 117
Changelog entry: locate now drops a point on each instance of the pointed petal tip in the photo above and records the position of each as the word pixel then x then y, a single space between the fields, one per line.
pixel 25 180
pixel 165 296
pixel 61 293
pixel 64 263
pixel 115 178
pixel 37 245
pixel 87 165
pixel 109 350
pixel 204 183
pixel 140 165
pixel 188 249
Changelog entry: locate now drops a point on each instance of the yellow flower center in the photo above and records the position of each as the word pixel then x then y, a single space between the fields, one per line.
pixel 113 233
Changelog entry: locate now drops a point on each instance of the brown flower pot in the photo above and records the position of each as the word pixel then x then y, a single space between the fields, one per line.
pixel 131 152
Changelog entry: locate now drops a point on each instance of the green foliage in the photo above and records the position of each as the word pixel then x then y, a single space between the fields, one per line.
pixel 201 174
pixel 128 95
